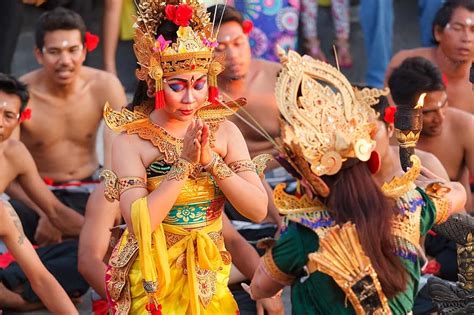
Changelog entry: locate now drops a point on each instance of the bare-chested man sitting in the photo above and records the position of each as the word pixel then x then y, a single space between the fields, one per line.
pixel 447 132
pixel 453 30
pixel 16 163
pixel 389 154
pixel 67 101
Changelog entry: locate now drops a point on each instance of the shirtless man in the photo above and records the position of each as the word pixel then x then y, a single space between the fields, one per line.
pixel 453 30
pixel 447 132
pixel 16 163
pixel 67 101
pixel 243 76
pixel 389 154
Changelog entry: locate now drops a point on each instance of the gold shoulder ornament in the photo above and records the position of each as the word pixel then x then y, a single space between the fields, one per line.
pixel 342 257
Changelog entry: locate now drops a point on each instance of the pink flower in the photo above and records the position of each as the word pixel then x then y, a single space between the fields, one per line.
pixel 162 43
pixel 208 43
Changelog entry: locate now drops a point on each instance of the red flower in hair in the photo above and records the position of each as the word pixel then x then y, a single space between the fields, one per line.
pixel 247 26
pixel 445 79
pixel 179 14
pixel 389 116
pixel 91 41
pixel 25 115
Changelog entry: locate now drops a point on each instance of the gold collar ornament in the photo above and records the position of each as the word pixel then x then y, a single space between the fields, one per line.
pixel 325 121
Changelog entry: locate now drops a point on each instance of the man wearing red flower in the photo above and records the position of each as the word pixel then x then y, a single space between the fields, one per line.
pixel 67 101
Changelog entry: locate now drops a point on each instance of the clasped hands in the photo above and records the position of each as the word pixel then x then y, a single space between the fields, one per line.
pixel 196 147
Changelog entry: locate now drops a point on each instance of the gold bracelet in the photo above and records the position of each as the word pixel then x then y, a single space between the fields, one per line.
pixel 126 183
pixel 437 191
pixel 218 168
pixel 243 166
pixel 180 170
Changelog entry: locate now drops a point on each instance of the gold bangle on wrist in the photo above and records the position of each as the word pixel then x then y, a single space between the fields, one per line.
pixel 218 168
pixel 180 170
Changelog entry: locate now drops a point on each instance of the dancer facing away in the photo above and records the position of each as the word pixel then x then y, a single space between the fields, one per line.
pixel 353 242
pixel 173 168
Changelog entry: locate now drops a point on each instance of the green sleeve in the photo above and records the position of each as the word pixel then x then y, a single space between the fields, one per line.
pixel 428 212
pixel 290 253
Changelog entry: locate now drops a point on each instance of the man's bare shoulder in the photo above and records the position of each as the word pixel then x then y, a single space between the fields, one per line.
pixel 270 68
pixel 461 121
pixel 415 52
pixel 106 87
pixel 32 78
pixel 16 152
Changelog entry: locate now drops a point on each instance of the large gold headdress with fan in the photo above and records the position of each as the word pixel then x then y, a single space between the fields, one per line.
pixel 325 121
pixel 191 51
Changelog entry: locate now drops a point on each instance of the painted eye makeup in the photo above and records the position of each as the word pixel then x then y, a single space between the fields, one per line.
pixel 199 85
pixel 177 86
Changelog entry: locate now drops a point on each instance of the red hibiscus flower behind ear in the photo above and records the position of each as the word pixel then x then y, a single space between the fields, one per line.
pixel 179 15
pixel 247 26
pixel 389 116
pixel 91 41
pixel 25 115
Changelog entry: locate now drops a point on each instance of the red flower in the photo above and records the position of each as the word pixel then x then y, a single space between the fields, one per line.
pixel 179 14
pixel 247 26
pixel 91 41
pixel 25 115
pixel 432 267
pixel 445 79
pixel 389 116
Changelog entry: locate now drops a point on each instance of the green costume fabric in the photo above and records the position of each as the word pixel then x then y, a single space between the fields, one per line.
pixel 319 294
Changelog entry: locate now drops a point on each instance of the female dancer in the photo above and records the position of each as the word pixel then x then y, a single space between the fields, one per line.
pixel 172 170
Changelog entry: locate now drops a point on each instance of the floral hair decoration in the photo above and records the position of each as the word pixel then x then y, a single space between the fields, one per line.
pixel 193 50
pixel 91 41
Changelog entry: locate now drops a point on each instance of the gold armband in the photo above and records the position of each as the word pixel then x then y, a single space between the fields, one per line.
pixel 180 170
pixel 218 168
pixel 114 186
pixel 126 183
pixel 243 166
pixel 437 191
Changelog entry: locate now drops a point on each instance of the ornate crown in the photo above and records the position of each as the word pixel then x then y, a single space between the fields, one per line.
pixel 192 51
pixel 325 121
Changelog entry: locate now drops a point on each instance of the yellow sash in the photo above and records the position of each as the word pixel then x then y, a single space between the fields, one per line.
pixel 199 248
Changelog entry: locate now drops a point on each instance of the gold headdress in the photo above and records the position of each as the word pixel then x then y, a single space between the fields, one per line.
pixel 325 121
pixel 192 50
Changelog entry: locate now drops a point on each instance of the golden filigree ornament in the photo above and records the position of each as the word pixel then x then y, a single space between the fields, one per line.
pixel 342 257
pixel 399 186
pixel 191 51
pixel 325 121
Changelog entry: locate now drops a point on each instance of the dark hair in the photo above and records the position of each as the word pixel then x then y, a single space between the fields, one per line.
pixel 413 77
pixel 228 14
pixel 10 85
pixel 445 13
pixel 58 19
pixel 372 213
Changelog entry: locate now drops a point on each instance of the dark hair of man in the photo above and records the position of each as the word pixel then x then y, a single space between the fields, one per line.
pixel 413 77
pixel 10 85
pixel 58 19
pixel 372 213
pixel 228 14
pixel 445 13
